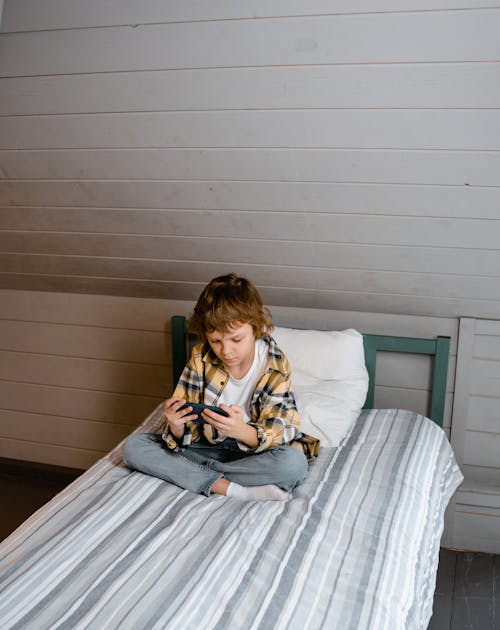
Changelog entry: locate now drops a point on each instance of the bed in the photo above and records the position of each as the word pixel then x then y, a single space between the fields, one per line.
pixel 356 546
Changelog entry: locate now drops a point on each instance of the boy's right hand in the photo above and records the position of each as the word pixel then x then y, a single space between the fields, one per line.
pixel 176 418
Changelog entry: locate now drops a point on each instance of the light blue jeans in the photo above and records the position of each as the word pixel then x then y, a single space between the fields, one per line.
pixel 198 467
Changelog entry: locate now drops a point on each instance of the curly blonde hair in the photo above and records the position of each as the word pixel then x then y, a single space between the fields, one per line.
pixel 226 301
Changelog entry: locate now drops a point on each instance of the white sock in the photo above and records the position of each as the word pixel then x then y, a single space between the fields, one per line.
pixel 256 493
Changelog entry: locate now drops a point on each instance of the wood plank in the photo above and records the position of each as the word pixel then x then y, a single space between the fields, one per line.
pixel 443 596
pixel 482 479
pixel 91 310
pixel 473 495
pixel 488 327
pixel 412 371
pixel 389 37
pixel 478 532
pixel 411 399
pixel 374 129
pixel 91 342
pixel 483 414
pixel 26 223
pixel 366 322
pixel 485 378
pixel 303 298
pixel 22 15
pixel 76 403
pixel 231 249
pixel 346 198
pixel 414 86
pixel 475 577
pixel 165 271
pixel 406 129
pixel 61 431
pixel 481 448
pixel 487 347
pixel 312 165
pixel 85 374
pixel 49 454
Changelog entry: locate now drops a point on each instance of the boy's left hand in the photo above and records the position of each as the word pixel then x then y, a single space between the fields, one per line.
pixel 233 425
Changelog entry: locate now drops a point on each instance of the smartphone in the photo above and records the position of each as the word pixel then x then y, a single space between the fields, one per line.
pixel 199 407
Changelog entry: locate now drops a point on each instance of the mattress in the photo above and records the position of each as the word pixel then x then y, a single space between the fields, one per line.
pixel 356 547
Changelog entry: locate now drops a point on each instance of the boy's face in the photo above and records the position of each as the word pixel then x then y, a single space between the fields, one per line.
pixel 235 347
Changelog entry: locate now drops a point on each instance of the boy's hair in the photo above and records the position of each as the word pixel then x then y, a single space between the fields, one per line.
pixel 227 300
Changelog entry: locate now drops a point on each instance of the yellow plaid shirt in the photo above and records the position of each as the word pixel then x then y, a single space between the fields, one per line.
pixel 273 410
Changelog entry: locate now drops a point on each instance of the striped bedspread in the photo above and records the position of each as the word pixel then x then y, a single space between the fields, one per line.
pixel 356 547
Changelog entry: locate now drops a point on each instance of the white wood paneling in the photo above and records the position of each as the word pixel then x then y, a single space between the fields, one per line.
pixel 388 128
pixel 344 155
pixel 475 435
pixel 56 14
pixel 325 197
pixel 96 342
pixel 79 372
pixel 426 85
pixel 327 133
pixel 319 227
pixel 170 273
pixel 84 373
pixel 363 38
pixel 454 168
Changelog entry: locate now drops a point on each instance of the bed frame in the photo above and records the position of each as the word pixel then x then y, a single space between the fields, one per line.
pixel 439 348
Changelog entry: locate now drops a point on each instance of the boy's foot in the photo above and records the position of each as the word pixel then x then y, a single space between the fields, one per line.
pixel 269 492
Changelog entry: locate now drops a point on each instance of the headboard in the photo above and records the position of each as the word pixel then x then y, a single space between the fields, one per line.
pixel 438 347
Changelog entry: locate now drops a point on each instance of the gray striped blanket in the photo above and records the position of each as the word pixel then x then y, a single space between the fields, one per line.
pixel 356 547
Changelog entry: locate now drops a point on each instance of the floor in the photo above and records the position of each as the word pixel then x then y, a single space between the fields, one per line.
pixel 468 584
pixel 467 593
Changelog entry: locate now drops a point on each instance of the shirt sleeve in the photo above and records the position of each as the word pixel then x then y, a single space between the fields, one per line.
pixel 190 389
pixel 274 414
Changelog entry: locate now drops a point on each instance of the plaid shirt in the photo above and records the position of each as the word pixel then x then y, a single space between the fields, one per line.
pixel 273 410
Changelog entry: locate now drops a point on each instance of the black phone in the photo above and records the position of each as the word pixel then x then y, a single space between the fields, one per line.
pixel 199 407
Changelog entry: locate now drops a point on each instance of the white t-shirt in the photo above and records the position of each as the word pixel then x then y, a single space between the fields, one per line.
pixel 239 391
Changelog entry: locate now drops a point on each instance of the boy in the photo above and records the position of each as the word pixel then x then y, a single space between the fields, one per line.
pixel 238 367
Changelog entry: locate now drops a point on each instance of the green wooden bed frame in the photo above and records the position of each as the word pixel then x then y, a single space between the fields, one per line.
pixel 439 348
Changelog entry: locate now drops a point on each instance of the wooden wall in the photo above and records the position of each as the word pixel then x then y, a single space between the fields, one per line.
pixel 79 372
pixel 476 436
pixel 342 154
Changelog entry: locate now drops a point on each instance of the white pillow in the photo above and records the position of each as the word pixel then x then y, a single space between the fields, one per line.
pixel 329 378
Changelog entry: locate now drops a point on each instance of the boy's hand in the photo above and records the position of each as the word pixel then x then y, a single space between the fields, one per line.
pixel 175 418
pixel 233 425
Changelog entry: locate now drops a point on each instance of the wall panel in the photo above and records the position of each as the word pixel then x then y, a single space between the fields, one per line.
pixel 75 379
pixel 476 435
pixel 146 147
pixel 343 155
pixel 426 85
pixel 363 38
pixel 365 128
pixel 56 14
pixel 453 168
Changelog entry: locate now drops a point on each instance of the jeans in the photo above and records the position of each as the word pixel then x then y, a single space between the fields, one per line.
pixel 198 467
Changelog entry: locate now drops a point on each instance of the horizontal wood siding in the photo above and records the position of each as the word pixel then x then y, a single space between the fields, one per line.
pixel 79 372
pixel 476 436
pixel 345 156
pixel 320 149
pixel 482 441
